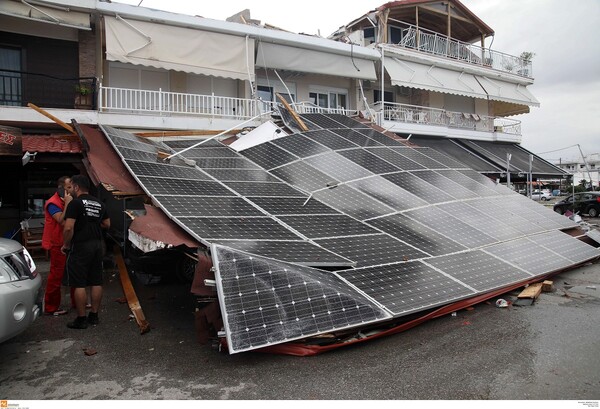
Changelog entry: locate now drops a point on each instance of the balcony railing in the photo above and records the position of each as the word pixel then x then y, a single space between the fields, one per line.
pixel 437 44
pixel 440 117
pixel 176 103
pixel 17 88
pixel 310 108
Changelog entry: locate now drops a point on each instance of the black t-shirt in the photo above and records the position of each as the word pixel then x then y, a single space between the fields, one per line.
pixel 88 213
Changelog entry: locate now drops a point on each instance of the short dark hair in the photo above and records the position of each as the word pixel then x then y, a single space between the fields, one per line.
pixel 61 181
pixel 82 181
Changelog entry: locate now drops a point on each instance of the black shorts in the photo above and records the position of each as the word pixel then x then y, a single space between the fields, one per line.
pixel 84 265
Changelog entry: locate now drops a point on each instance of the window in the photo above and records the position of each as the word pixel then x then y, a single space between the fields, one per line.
pixel 369 33
pixel 387 95
pixel 335 99
pixel 395 35
pixel 11 88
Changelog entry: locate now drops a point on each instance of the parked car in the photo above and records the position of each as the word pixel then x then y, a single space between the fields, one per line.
pixel 20 289
pixel 537 195
pixel 585 203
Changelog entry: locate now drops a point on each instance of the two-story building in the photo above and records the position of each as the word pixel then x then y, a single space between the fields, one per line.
pixel 419 68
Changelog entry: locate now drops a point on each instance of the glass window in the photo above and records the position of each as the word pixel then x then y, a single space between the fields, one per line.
pixel 369 33
pixel 10 76
pixel 387 95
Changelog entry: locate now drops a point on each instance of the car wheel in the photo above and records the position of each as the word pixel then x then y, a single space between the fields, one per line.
pixel 592 212
pixel 559 210
pixel 544 199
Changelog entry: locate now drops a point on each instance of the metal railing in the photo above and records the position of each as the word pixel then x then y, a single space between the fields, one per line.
pixel 434 43
pixel 440 117
pixel 177 103
pixel 310 108
pixel 17 88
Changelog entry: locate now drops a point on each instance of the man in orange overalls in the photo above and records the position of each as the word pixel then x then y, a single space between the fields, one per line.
pixel 52 240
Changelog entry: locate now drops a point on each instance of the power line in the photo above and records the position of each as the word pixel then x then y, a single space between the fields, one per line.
pixel 562 149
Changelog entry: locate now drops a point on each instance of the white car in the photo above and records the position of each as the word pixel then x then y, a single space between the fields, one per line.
pixel 20 289
pixel 537 195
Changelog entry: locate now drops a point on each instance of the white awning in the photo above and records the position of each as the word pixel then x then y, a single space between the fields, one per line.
pixel 179 49
pixel 281 57
pixel 499 90
pixel 432 78
pixel 58 15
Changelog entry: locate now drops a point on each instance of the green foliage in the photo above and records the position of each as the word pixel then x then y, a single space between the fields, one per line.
pixel 527 55
pixel 82 89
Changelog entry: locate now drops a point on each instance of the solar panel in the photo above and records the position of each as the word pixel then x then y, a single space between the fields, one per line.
pixel 244 228
pixel 297 252
pixel 268 156
pixel 478 270
pixel 329 139
pixel 401 162
pixel 388 193
pixel 450 226
pixel 165 170
pixel 184 144
pixel 170 186
pixel 241 175
pixel 369 161
pixel 323 121
pixel 453 189
pixel 353 203
pixel 213 206
pixel 304 176
pixel 347 121
pixel 528 256
pixel 407 287
pixel 416 156
pixel 265 302
pixel 356 137
pixel 300 145
pixel 338 167
pixel 372 250
pixel 574 250
pixel 292 206
pixel 379 137
pixel 251 189
pixel 412 228
pixel 417 235
pixel 225 163
pixel 324 226
pixel 419 187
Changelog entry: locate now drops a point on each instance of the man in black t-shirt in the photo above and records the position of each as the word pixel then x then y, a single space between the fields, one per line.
pixel 85 217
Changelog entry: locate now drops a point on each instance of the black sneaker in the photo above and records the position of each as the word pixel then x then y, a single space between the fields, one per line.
pixel 78 323
pixel 92 318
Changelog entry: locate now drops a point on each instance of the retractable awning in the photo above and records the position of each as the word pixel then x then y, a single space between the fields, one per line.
pixel 432 78
pixel 61 16
pixel 281 57
pixel 504 91
pixel 179 49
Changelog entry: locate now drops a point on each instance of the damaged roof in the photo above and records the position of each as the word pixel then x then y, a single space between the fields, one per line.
pixel 400 229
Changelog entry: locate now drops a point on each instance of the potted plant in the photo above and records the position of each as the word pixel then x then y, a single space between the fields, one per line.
pixel 83 96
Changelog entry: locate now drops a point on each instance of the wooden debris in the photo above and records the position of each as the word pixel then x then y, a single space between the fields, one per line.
pixel 89 351
pixel 52 117
pixel 297 118
pixel 132 299
pixel 547 286
pixel 533 291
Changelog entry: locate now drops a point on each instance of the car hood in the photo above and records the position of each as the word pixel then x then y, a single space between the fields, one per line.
pixel 8 246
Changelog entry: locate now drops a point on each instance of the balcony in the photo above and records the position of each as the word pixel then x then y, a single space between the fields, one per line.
pixel 430 42
pixel 404 113
pixel 17 88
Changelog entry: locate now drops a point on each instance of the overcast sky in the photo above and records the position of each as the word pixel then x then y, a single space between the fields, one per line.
pixel 561 33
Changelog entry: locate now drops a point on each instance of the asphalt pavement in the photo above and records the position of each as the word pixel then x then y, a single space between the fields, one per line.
pixel 550 350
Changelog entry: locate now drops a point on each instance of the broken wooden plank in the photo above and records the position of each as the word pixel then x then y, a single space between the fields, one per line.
pixel 52 117
pixel 300 122
pixel 132 299
pixel 533 291
pixel 547 286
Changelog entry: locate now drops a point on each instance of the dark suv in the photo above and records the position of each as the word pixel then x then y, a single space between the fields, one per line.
pixel 585 203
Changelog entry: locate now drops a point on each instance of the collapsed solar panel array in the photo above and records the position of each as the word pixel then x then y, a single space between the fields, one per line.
pixel 407 229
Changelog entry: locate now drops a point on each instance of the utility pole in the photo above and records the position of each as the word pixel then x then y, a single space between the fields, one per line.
pixel 508 156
